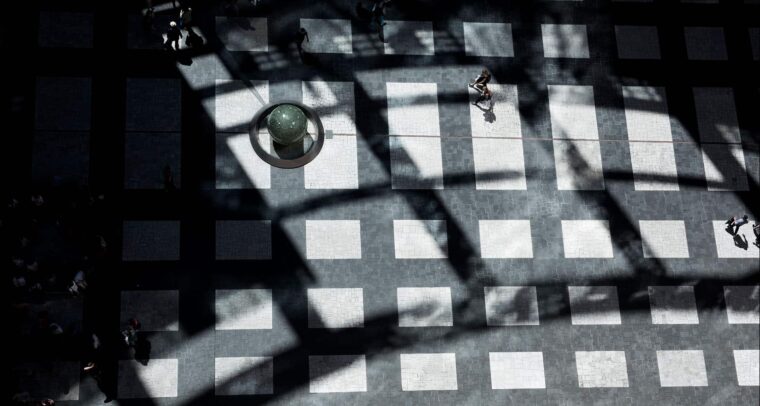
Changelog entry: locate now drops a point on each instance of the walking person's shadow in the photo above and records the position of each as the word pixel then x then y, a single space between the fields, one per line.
pixel 488 115
pixel 741 241
pixel 142 349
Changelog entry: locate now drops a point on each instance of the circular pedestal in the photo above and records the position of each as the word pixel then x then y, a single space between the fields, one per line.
pixel 286 134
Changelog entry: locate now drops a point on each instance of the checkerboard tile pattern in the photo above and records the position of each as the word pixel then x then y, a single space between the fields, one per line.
pixel 488 275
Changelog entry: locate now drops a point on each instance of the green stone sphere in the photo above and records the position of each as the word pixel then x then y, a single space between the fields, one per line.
pixel 287 124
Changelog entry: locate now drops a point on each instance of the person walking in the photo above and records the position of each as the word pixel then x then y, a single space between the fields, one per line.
pixel 148 18
pixel 756 231
pixel 301 35
pixel 130 333
pixel 185 17
pixel 481 81
pixel 378 13
pixel 734 224
pixel 173 36
pixel 481 86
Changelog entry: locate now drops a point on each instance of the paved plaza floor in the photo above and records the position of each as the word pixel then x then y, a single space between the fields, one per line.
pixel 564 247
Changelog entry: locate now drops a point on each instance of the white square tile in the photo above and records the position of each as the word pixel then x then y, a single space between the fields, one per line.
pixel 336 308
pixel 158 379
pixel 337 373
pixel 511 305
pixel 235 376
pixel 333 239
pixel 725 169
pixel 673 305
pixel 742 304
pixel 157 310
pixel 421 372
pixel 499 164
pixel 244 309
pixel 150 240
pixel 654 166
pixel 408 38
pixel 243 240
pixel 564 41
pixel 488 39
pixel 334 102
pixel 336 166
pixel 329 36
pixel 681 368
pixel 664 238
pixel 592 305
pixel 424 307
pixel 238 166
pixel 412 108
pixel 578 165
pixel 517 370
pixel 646 113
pixel 572 111
pixel 243 33
pixel 705 44
pixel 505 239
pixel 586 239
pixel 504 120
pixel 236 102
pixel 416 163
pixel 420 239
pixel 747 364
pixel 716 114
pixel 726 244
pixel 601 369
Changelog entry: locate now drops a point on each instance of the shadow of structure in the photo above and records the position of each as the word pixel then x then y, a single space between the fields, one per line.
pixel 198 205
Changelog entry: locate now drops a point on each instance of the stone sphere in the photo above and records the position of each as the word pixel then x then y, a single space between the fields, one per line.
pixel 287 124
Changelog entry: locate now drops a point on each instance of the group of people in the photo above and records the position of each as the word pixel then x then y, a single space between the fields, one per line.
pixel 52 242
pixel 733 224
pixel 173 34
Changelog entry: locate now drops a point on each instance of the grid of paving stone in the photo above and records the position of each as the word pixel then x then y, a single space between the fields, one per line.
pixel 566 246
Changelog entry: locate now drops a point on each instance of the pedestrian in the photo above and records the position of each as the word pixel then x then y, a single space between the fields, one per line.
pixel 78 284
pixel 734 224
pixel 481 86
pixel 130 333
pixel 485 95
pixel 168 174
pixel 254 3
pixel 93 352
pixel 173 36
pixel 148 18
pixel 301 35
pixel 185 17
pixel 756 230
pixel 481 81
pixel 378 13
